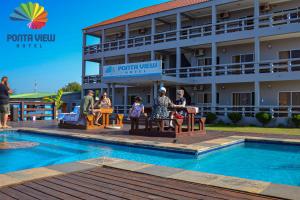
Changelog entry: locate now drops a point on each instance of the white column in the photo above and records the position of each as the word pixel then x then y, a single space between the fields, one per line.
pixel 257 95
pixel 155 88
pixel 257 53
pixel 178 25
pixel 125 99
pixel 214 55
pixel 113 93
pixel 153 29
pixel 102 65
pixel 152 55
pixel 213 96
pixel 126 58
pixel 213 19
pixel 101 91
pixel 256 13
pixel 151 95
pixel 83 64
pixel 126 35
pixel 213 84
pixel 108 89
pixel 103 37
pixel 178 61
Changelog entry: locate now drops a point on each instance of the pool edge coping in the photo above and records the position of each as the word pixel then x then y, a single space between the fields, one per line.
pixel 229 182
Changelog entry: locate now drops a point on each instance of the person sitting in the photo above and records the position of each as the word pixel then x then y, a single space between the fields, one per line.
pixel 135 112
pixel 104 102
pixel 179 103
pixel 160 107
pixel 87 105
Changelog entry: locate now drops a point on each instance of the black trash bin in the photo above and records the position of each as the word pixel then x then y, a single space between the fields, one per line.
pixel 14 113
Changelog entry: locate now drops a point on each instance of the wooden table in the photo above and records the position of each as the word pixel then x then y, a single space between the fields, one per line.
pixel 106 112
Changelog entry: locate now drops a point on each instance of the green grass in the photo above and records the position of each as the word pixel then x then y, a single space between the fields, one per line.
pixel 253 129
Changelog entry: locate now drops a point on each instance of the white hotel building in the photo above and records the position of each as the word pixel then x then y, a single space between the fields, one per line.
pixel 227 55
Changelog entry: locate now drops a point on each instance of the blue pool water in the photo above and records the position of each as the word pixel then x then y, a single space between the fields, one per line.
pixel 277 163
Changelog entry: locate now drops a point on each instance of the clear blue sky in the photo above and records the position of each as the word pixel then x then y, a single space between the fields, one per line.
pixel 58 63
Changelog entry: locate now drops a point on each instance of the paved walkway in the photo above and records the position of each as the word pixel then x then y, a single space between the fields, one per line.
pixel 52 125
pixel 114 184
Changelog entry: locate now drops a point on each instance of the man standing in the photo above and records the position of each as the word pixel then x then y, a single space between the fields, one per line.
pixel 86 107
pixel 5 91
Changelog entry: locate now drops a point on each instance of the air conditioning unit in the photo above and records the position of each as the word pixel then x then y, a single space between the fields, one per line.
pixel 224 15
pixel 199 52
pixel 198 88
pixel 265 8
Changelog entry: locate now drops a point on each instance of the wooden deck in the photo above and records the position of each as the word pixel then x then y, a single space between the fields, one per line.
pixel 114 184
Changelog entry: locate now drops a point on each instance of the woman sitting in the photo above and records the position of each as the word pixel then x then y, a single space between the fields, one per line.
pixel 160 107
pixel 104 102
pixel 135 112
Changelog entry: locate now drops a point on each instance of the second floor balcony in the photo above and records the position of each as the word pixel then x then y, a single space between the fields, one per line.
pixel 243 23
pixel 237 72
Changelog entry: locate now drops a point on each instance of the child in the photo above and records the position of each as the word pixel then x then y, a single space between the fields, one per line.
pixel 135 112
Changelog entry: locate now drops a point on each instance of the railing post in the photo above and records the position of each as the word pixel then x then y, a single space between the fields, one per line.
pixel 290 66
pixel 178 25
pixel 22 110
pixel 290 111
pixel 54 111
pixel 243 112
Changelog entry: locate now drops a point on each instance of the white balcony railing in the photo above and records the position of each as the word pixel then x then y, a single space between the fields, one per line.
pixel 273 66
pixel 224 110
pixel 236 25
pixel 280 18
pixel 92 79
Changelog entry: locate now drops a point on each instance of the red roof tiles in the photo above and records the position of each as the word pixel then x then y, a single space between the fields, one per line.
pixel 149 10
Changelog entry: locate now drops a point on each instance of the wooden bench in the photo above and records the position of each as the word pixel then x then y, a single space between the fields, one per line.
pixel 166 131
pixel 89 121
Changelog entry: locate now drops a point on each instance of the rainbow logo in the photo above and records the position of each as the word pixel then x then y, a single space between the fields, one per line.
pixel 31 12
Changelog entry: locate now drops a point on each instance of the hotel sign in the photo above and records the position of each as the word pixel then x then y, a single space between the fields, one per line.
pixel 133 69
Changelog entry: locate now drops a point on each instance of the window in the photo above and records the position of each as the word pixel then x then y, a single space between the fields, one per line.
pixel 242 99
pixel 207 61
pixel 243 58
pixel 204 98
pixel 289 98
pixel 289 54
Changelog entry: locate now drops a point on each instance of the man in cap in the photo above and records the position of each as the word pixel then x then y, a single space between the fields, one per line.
pixel 87 104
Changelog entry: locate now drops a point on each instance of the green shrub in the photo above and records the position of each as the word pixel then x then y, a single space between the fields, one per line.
pixel 235 117
pixel 263 118
pixel 296 120
pixel 211 117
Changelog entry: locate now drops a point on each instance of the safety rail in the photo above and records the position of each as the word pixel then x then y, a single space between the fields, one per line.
pixel 31 110
pixel 283 65
pixel 224 110
pixel 92 79
pixel 273 66
pixel 195 31
pixel 250 111
pixel 122 109
pixel 139 41
pixel 235 69
pixel 165 36
pixel 280 18
pixel 235 25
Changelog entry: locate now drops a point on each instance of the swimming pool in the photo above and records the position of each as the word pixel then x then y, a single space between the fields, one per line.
pixel 276 163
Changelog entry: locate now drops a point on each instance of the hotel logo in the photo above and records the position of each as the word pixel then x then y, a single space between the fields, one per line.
pixel 33 13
